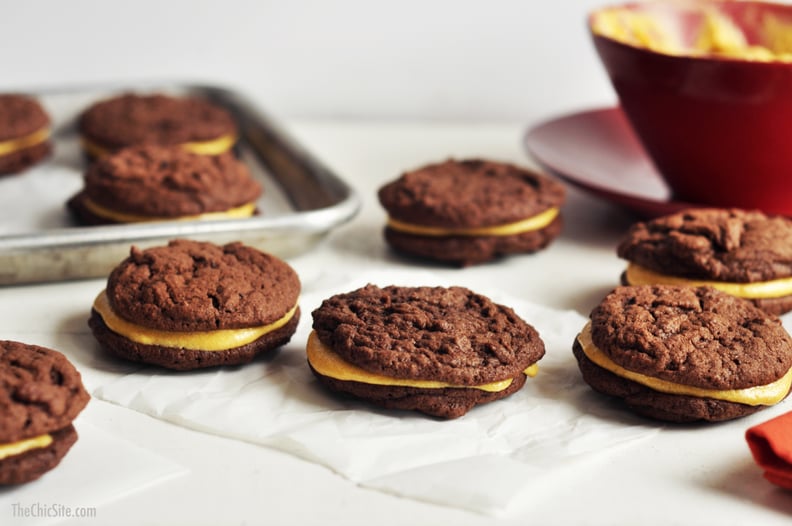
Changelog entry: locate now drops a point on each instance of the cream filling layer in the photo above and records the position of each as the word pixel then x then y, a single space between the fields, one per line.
pixel 328 363
pixel 26 141
pixel 638 275
pixel 246 210
pixel 217 340
pixel 212 147
pixel 768 394
pixel 23 446
pixel 530 224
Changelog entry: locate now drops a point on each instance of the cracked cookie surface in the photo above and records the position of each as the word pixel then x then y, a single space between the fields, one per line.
pixel 713 244
pixel 693 336
pixel 197 286
pixel 446 334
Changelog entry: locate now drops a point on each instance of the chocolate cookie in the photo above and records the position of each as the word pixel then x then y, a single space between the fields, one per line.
pixel 746 254
pixel 24 133
pixel 160 183
pixel 192 304
pixel 134 119
pixel 41 393
pixel 467 212
pixel 437 350
pixel 684 354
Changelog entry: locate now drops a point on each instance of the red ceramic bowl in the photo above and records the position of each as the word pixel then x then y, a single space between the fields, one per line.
pixel 718 129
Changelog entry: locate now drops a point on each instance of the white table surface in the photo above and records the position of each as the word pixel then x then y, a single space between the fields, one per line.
pixel 681 475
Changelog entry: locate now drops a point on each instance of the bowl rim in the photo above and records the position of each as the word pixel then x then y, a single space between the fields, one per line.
pixel 637 5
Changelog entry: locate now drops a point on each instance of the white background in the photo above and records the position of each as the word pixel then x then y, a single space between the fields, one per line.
pixel 460 60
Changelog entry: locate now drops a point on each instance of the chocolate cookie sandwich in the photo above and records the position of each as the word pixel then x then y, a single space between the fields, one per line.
pixel 684 354
pixel 164 183
pixel 192 304
pixel 437 350
pixel 24 133
pixel 467 212
pixel 41 393
pixel 193 123
pixel 746 254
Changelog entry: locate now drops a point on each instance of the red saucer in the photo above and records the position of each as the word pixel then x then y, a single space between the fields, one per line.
pixel 598 152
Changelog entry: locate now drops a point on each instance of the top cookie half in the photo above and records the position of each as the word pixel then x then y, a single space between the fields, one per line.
pixel 428 333
pixel 19 116
pixel 746 254
pixel 132 119
pixel 196 286
pixel 469 194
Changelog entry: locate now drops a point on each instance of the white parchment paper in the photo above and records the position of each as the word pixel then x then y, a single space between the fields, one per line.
pixel 485 461
pixel 83 481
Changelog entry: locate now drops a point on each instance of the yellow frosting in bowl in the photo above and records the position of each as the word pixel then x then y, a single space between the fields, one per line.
pixel 716 34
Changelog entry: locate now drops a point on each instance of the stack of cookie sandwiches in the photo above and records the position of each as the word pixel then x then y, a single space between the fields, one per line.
pixel 746 254
pixel 42 393
pixel 24 133
pixel 133 119
pixel 193 304
pixel 436 350
pixel 161 158
pixel 684 354
pixel 471 211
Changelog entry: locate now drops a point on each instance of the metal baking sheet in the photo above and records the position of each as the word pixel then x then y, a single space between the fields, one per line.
pixel 303 200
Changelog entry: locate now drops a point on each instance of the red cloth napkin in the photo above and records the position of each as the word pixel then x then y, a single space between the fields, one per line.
pixel 771 446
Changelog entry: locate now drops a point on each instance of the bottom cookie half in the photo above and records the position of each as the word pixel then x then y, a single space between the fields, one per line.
pixel 469 250
pixel 186 359
pixel 22 159
pixel 30 465
pixel 654 404
pixel 446 403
